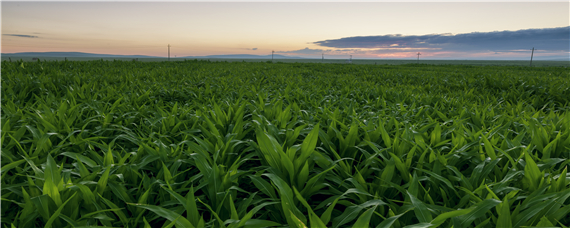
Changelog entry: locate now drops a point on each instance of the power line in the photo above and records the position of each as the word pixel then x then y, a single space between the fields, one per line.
pixel 418 57
pixel 531 54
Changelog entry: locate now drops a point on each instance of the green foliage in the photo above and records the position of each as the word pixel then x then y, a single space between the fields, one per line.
pixel 240 144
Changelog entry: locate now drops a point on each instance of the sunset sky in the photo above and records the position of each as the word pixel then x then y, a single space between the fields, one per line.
pixel 380 29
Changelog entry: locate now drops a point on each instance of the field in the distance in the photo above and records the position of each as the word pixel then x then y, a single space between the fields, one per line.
pixel 538 63
pixel 250 144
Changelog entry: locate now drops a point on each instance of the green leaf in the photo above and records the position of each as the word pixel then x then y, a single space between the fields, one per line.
pixel 307 147
pixel 421 211
pixel 401 167
pixel 479 211
pixel 263 186
pixel 56 214
pixel 352 212
pixel 561 182
pixel 504 219
pixel 389 221
pixel 42 204
pixel 314 220
pixel 191 207
pixel 172 223
pixel 303 175
pixel 167 214
pixel 233 211
pixel 89 215
pixel 95 227
pixel 385 136
pixel 108 160
pixel 102 183
pixel 420 225
pixel 531 171
pixel 167 176
pixel 245 219
pixel 444 216
pixel 86 193
pixel 258 223
pixel 364 220
pixel 270 149
pixel 288 165
pixel 545 204
pixel 178 198
pixel 52 180
pixel 220 221
pixel 119 213
pixel 296 221
pixel 146 225
pixel 544 222
pixel 489 148
pixel 11 165
pixel 313 181
pixel 69 220
pixel 440 178
pixel 287 199
pixel 326 216
pixel 28 209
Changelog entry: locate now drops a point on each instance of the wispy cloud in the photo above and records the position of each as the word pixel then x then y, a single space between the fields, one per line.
pixel 21 35
pixel 252 49
pixel 549 39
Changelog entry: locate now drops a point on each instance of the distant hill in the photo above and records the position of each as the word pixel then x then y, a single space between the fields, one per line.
pixel 243 56
pixel 91 55
pixel 234 56
pixel 557 59
pixel 72 54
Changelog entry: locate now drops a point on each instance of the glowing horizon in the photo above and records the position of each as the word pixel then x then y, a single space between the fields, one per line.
pixel 364 30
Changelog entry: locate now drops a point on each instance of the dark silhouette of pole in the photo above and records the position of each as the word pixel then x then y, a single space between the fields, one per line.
pixel 418 57
pixel 531 54
pixel 168 52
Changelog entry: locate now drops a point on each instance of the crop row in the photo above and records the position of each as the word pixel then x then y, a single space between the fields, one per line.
pixel 203 144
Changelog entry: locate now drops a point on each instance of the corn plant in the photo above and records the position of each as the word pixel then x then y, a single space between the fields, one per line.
pixel 241 144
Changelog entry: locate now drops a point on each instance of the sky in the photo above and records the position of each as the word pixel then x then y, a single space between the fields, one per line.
pixel 372 29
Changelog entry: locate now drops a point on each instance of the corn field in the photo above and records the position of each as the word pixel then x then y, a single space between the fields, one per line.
pixel 227 145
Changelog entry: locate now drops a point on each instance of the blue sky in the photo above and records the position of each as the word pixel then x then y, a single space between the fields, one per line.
pixel 373 29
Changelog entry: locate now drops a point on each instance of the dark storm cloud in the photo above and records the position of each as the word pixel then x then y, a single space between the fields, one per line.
pixel 21 35
pixel 548 39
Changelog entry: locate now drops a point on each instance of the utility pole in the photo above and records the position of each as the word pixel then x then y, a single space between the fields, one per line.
pixel 418 57
pixel 531 54
pixel 323 57
pixel 168 52
pixel 272 55
pixel 350 58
